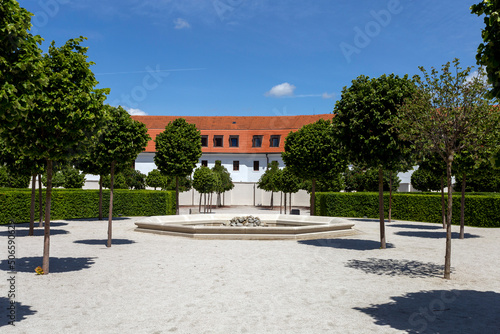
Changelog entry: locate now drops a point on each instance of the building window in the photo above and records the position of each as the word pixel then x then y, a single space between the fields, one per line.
pixel 256 166
pixel 204 163
pixel 257 141
pixel 218 141
pixel 236 165
pixel 275 141
pixel 204 141
pixel 233 141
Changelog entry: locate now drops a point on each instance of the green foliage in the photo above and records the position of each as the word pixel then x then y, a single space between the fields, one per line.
pixel 333 183
pixel 289 182
pixel 9 179
pixel 68 107
pixel 66 177
pixel 480 210
pixel 223 178
pixel 77 203
pixel 128 178
pixel 360 179
pixel 155 179
pixel 120 181
pixel 121 139
pixel 185 184
pixel 364 121
pixel 424 180
pixel 134 179
pixel 311 153
pixel 449 113
pixel 483 178
pixel 178 148
pixel 488 52
pixel 270 180
pixel 204 180
pixel 20 66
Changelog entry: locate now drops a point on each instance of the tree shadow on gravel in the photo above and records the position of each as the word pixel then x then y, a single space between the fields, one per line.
pixel 104 242
pixel 21 311
pixel 415 226
pixel 440 311
pixel 352 244
pixel 56 265
pixel 103 220
pixel 391 267
pixel 37 232
pixel 435 235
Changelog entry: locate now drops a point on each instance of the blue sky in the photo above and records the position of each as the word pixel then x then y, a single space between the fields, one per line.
pixel 254 57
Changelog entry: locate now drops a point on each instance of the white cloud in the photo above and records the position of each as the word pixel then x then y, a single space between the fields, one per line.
pixel 481 76
pixel 181 24
pixel 326 95
pixel 136 112
pixel 284 89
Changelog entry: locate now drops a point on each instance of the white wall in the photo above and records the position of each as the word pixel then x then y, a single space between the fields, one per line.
pixel 145 163
pixel 246 193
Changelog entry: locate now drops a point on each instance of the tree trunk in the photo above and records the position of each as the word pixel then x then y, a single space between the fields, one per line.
pixel 281 202
pixel 199 206
pixel 290 208
pixel 285 203
pixel 381 207
pixel 110 218
pixel 46 232
pixel 390 198
pixel 32 208
pixel 272 200
pixel 211 196
pixel 447 258
pixel 204 203
pixel 313 198
pixel 443 210
pixel 177 195
pixel 40 202
pixel 100 197
pixel 462 209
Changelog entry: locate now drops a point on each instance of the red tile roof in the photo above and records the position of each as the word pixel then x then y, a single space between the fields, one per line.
pixel 245 127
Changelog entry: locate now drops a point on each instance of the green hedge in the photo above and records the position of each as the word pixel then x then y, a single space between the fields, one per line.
pixel 78 203
pixel 480 210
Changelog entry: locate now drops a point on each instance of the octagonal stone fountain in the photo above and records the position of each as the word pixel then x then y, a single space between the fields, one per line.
pixel 274 227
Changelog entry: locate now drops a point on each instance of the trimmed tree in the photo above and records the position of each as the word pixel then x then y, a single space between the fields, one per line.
pixel 204 181
pixel 364 127
pixel 311 153
pixel 224 182
pixel 67 114
pixel 155 179
pixel 289 184
pixel 178 149
pixel 449 114
pixel 270 179
pixel 120 142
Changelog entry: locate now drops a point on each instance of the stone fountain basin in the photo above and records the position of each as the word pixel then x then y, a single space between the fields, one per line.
pixel 279 227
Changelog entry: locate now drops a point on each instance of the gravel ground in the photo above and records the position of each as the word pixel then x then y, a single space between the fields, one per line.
pixel 147 283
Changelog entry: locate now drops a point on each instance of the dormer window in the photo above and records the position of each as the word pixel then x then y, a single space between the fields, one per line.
pixel 218 141
pixel 275 141
pixel 257 141
pixel 233 141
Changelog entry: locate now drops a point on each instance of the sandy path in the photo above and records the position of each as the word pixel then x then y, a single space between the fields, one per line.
pixel 148 283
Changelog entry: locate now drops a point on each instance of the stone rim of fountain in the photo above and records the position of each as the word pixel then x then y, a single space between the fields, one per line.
pixel 278 227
